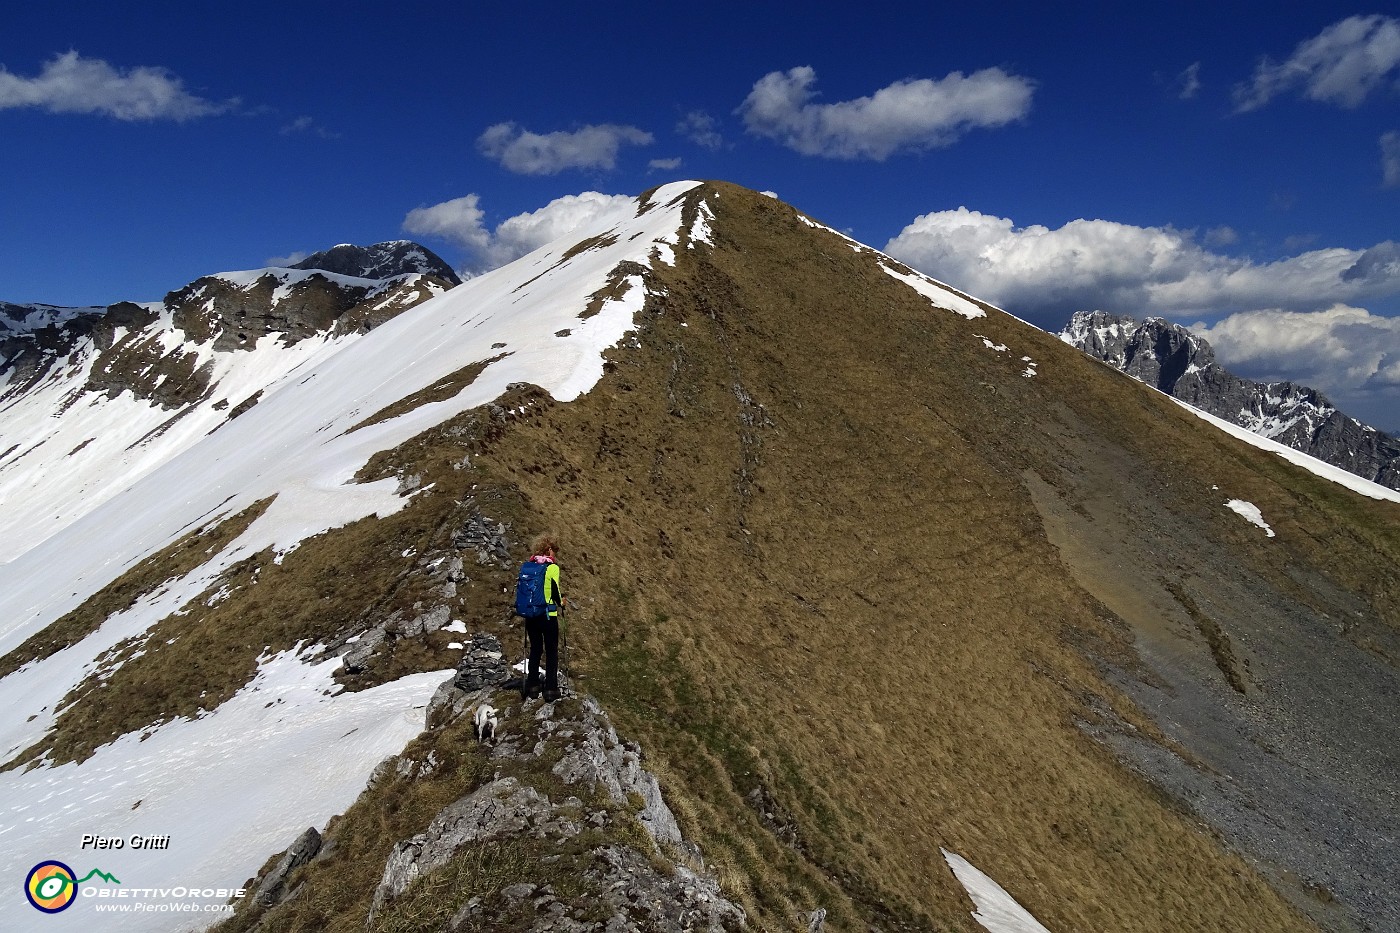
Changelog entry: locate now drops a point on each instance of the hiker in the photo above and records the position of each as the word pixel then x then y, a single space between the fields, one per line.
pixel 538 600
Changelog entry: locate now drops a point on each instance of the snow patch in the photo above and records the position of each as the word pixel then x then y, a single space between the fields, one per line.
pixel 1313 465
pixel 937 292
pixel 996 910
pixel 1250 512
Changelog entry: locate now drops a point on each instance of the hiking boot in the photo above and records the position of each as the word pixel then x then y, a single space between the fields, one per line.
pixel 551 694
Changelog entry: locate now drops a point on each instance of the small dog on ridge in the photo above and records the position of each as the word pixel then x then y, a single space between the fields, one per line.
pixel 485 723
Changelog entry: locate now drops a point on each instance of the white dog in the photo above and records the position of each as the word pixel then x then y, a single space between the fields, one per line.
pixel 485 723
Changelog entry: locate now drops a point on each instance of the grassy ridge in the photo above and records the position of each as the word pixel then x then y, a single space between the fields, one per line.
pixel 827 586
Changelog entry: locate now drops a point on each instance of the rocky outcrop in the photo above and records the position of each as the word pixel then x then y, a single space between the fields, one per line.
pixel 237 310
pixel 1170 358
pixel 271 889
pixel 35 337
pixel 361 649
pixel 571 796
pixel 488 540
pixel 381 261
pixel 341 290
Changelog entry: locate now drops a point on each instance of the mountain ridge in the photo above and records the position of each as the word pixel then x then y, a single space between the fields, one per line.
pixel 921 581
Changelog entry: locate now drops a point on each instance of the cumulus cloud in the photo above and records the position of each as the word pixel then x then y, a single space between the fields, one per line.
pixel 70 83
pixel 1390 159
pixel 462 222
pixel 1048 274
pixel 1348 352
pixel 907 116
pixel 1341 65
pixel 1310 329
pixel 527 153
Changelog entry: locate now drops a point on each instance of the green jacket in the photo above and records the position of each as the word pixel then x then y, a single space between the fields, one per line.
pixel 552 593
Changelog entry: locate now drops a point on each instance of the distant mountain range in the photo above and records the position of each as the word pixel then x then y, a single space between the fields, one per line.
pixel 1170 358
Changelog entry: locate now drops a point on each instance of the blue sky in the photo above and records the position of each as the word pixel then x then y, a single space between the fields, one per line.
pixel 1235 166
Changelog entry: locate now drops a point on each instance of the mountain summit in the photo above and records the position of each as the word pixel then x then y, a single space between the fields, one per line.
pixel 886 608
pixel 381 261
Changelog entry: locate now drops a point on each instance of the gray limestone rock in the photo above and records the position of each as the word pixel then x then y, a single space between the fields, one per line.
pixel 271 889
pixel 648 901
pixel 596 755
pixel 483 664
pixel 663 889
pixel 360 652
pixel 499 809
pixel 488 538
pixel 430 621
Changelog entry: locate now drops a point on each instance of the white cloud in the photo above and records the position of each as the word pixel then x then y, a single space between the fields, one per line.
pixel 459 221
pixel 911 115
pixel 1037 271
pixel 283 262
pixel 1347 352
pixel 527 153
pixel 1222 236
pixel 1188 83
pixel 1341 65
pixel 307 125
pixel 70 83
pixel 1390 159
pixel 463 222
pixel 700 128
pixel 664 165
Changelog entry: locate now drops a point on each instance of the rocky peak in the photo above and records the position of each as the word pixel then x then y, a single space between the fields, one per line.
pixel 1172 359
pixel 381 261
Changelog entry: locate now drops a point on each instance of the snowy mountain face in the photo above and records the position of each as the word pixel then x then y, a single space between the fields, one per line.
pixel 757 438
pixel 138 383
pixel 1175 361
pixel 381 261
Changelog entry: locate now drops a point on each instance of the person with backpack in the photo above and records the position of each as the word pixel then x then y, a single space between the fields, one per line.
pixel 538 599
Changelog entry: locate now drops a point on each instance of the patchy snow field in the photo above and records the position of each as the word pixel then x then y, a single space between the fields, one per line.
pixel 240 782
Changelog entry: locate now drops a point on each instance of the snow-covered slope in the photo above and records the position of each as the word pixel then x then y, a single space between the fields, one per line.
pixel 72 524
pixel 137 384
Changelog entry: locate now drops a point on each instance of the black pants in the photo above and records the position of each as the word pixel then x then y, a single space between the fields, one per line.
pixel 544 637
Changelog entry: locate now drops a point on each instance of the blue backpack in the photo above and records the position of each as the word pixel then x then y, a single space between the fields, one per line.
pixel 529 590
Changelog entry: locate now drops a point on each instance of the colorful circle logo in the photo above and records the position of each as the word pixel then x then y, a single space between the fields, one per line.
pixel 51 887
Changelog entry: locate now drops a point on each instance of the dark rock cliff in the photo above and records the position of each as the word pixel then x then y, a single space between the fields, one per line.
pixel 1170 358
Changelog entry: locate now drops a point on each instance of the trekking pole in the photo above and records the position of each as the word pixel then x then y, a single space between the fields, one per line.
pixel 525 674
pixel 564 644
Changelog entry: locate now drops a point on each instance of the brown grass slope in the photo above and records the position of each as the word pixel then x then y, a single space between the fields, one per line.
pixel 811 571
